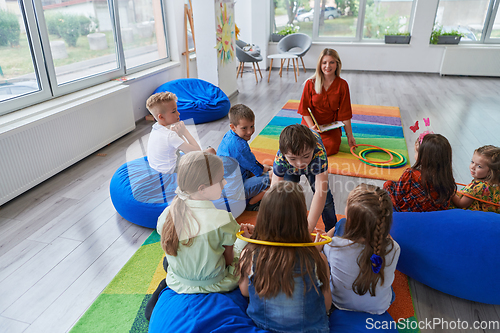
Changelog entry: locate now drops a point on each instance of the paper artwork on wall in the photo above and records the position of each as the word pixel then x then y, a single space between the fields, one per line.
pixel 224 13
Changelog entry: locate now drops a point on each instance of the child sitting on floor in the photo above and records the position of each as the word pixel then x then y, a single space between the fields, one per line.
pixel 288 287
pixel 429 184
pixel 168 134
pixel 301 152
pixel 256 178
pixel 198 238
pixel 362 255
pixel 485 169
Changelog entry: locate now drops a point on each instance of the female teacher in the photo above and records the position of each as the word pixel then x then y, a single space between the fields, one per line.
pixel 327 95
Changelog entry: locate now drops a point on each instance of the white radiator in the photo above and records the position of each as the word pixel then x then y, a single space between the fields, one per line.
pixel 58 134
pixel 475 61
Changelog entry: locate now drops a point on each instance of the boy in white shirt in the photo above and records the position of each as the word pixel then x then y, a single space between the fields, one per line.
pixel 168 134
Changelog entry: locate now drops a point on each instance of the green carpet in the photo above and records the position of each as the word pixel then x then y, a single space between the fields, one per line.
pixel 120 307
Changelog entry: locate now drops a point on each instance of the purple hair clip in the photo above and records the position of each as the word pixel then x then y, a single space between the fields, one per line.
pixel 376 263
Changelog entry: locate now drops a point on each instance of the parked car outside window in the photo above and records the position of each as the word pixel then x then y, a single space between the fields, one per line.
pixel 468 34
pixel 330 13
pixel 301 11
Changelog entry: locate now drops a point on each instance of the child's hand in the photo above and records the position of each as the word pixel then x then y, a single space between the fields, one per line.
pixel 179 128
pixel 331 232
pixel 319 239
pixel 267 168
pixel 315 128
pixel 247 229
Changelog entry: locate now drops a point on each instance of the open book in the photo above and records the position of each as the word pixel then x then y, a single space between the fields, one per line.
pixel 325 127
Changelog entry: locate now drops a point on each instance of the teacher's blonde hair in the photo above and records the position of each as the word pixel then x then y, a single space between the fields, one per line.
pixel 318 75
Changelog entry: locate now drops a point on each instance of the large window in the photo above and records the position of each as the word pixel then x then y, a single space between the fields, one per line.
pixel 382 17
pixel 52 47
pixel 350 20
pixel 476 20
pixel 495 30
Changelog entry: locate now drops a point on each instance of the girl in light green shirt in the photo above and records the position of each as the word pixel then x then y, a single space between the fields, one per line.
pixel 199 239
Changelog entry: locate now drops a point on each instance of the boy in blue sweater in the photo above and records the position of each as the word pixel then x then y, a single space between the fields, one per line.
pixel 256 177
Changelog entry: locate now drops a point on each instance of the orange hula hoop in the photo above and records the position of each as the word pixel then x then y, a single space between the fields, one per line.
pixel 370 161
pixel 473 197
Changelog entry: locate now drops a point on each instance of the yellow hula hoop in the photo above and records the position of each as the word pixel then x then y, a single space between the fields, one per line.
pixel 386 164
pixel 261 242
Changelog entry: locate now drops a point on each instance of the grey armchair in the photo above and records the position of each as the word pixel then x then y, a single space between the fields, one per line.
pixel 247 56
pixel 297 44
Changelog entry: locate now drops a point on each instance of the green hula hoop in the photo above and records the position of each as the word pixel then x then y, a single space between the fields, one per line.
pixel 402 159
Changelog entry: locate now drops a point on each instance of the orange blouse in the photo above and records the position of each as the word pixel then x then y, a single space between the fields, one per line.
pixel 329 106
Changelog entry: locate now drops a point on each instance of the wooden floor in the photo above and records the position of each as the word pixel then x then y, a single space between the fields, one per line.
pixel 62 242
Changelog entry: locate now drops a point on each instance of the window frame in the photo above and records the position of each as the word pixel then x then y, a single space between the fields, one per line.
pixel 491 15
pixel 358 37
pixel 486 39
pixel 44 69
pixel 83 82
pixel 33 38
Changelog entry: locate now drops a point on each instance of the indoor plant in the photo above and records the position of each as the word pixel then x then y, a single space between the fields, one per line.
pixel 288 30
pixel 439 36
pixel 397 38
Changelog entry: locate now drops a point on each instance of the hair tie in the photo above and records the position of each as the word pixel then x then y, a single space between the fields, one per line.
pixel 421 136
pixel 376 263
pixel 181 194
pixel 208 168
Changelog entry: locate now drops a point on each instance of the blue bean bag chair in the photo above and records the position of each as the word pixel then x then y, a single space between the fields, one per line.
pixel 215 312
pixel 140 194
pixel 197 99
pixel 342 321
pixel 454 251
pixel 226 312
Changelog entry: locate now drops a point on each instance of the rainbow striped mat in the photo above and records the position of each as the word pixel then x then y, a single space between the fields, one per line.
pixel 375 125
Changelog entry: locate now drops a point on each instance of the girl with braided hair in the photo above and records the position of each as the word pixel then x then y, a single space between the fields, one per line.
pixel 362 255
pixel 485 171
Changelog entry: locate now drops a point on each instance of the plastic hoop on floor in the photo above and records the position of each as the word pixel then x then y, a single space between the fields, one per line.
pixel 402 159
pixel 388 151
pixel 261 242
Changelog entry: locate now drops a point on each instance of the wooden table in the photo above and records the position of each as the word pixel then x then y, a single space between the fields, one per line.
pixel 283 57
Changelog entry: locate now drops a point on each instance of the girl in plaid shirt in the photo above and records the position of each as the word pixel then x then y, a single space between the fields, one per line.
pixel 429 184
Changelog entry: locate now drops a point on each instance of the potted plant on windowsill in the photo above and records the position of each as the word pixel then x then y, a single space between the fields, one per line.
pixel 288 30
pixel 439 36
pixel 397 38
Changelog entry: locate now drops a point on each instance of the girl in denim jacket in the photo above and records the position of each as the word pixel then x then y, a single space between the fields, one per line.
pixel 288 287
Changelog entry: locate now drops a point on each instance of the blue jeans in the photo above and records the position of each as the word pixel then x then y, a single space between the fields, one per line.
pixel 328 214
pixel 339 232
pixel 256 184
pixel 305 311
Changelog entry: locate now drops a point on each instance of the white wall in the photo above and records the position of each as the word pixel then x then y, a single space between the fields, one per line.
pixel 208 65
pixel 204 27
pixel 254 20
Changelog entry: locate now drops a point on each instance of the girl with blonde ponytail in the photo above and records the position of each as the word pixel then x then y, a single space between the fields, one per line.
pixel 362 255
pixel 198 238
